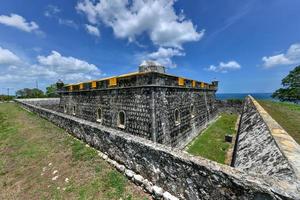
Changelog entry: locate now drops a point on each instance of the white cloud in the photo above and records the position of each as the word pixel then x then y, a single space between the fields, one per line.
pixel 51 11
pixel 7 57
pixel 18 22
pixel 68 22
pixel 66 65
pixel 224 67
pixel 164 56
pixel 129 19
pixel 292 56
pixel 48 68
pixel 93 30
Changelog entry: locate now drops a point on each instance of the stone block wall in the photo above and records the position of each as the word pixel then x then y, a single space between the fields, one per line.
pixel 230 106
pixel 196 109
pixel 149 101
pixel 135 102
pixel 184 176
pixel 257 149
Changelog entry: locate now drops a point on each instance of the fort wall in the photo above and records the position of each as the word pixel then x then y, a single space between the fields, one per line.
pixel 197 108
pixel 183 175
pixel 263 147
pixel 230 106
pixel 149 101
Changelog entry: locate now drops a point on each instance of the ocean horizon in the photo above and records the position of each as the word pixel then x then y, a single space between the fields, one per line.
pixel 224 96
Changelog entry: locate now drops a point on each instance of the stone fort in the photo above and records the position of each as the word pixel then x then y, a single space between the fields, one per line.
pixel 149 103
pixel 141 122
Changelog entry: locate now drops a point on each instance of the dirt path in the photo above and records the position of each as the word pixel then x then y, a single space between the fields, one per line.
pixel 41 161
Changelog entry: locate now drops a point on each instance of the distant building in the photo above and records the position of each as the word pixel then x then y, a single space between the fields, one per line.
pixel 149 103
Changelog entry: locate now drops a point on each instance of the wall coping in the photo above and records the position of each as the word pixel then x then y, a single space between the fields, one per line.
pixel 286 144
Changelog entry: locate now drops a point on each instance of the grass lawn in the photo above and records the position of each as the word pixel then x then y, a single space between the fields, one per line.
pixel 211 143
pixel 286 114
pixel 41 161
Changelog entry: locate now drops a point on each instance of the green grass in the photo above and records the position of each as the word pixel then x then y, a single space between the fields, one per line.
pixel 211 143
pixel 286 114
pixel 32 149
pixel 80 152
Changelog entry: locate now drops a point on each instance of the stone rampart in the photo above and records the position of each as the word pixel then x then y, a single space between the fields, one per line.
pixel 263 147
pixel 42 101
pixel 183 175
pixel 230 106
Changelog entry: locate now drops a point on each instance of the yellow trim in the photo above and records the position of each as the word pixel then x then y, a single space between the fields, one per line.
pixel 194 83
pixel 180 81
pixel 112 82
pixel 94 84
pixel 81 86
pixel 202 85
pixel 71 87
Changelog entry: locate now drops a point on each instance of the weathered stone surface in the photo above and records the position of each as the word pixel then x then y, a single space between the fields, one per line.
pixel 230 106
pixel 129 173
pixel 180 174
pixel 158 191
pixel 149 101
pixel 121 168
pixel 168 196
pixel 148 186
pixel 138 179
pixel 256 150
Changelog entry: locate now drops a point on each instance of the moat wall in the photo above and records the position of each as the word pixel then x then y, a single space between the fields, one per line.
pixel 263 146
pixel 184 176
pixel 230 106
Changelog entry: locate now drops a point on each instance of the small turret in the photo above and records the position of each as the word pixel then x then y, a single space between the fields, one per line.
pixel 151 66
pixel 215 83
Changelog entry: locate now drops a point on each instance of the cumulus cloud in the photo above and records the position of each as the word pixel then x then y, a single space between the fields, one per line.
pixel 292 56
pixel 7 57
pixel 128 19
pixel 224 67
pixel 66 65
pixel 163 56
pixel 93 30
pixel 18 22
pixel 48 68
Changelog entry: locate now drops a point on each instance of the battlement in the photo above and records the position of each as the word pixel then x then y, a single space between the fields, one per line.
pixel 150 74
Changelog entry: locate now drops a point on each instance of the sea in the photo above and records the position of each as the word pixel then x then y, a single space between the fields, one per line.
pixel 264 96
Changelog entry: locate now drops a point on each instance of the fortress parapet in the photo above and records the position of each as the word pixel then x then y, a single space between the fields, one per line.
pixel 147 76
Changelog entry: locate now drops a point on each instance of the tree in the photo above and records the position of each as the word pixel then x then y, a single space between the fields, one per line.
pixel 30 93
pixel 291 87
pixel 51 91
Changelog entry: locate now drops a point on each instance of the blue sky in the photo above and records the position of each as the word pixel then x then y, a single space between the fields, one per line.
pixel 249 46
